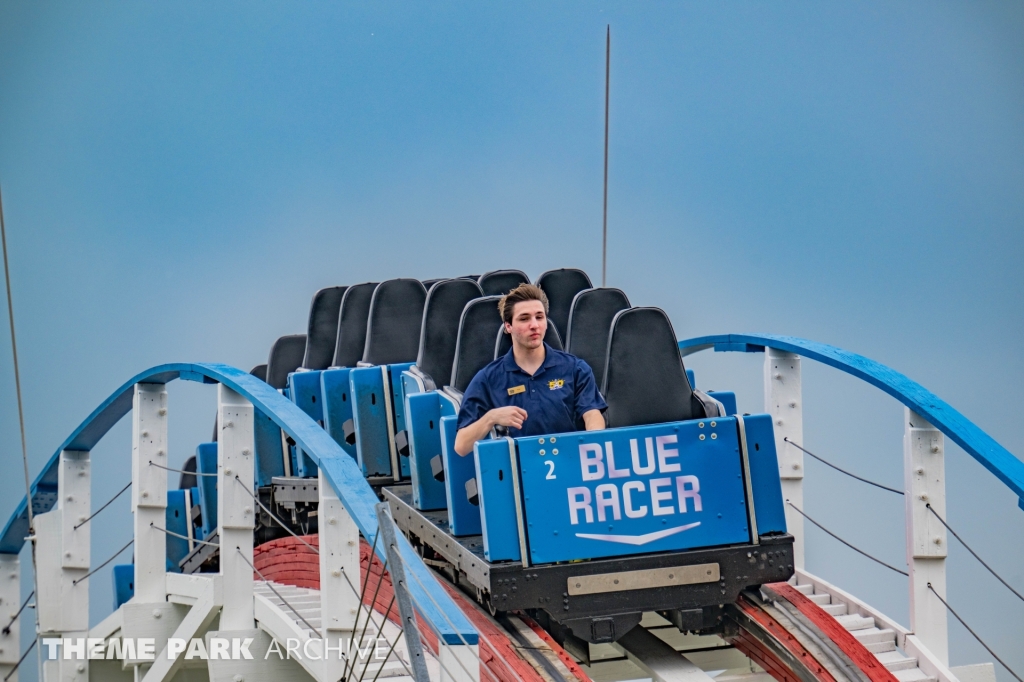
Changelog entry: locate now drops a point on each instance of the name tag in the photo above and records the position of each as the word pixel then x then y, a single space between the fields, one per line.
pixel 515 390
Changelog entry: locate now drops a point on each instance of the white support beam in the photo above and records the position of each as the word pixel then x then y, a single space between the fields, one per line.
pixel 149 491
pixel 783 400
pixel 459 663
pixel 659 660
pixel 10 601
pixel 236 512
pixel 62 560
pixel 339 572
pixel 925 484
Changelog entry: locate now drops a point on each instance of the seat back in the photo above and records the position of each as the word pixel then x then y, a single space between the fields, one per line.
pixel 561 286
pixel 393 325
pixel 590 320
pixel 500 282
pixel 644 378
pixel 322 332
pixel 440 329
pixel 475 346
pixel 504 341
pixel 352 316
pixel 285 357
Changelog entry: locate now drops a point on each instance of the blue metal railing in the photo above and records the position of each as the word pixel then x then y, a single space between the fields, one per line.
pixel 338 467
pixel 961 430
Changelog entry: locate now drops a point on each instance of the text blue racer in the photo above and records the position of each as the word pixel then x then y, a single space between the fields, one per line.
pixel 633 490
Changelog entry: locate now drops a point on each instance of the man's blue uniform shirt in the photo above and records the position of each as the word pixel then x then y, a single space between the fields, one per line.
pixel 554 398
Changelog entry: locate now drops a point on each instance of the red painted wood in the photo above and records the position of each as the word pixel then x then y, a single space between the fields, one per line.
pixel 568 660
pixel 832 630
pixel 774 629
pixel 288 561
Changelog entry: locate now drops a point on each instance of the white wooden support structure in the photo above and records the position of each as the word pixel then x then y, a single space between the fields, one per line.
pixel 459 662
pixel 339 573
pixel 62 560
pixel 925 484
pixel 659 660
pixel 236 518
pixel 149 491
pixel 10 601
pixel 783 400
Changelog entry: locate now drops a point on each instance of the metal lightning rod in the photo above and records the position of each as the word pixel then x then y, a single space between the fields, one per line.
pixel 607 92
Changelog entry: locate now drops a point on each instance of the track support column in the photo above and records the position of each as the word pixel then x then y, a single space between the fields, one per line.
pixel 10 600
pixel 783 401
pixel 62 558
pixel 236 510
pixel 924 485
pixel 149 491
pixel 339 573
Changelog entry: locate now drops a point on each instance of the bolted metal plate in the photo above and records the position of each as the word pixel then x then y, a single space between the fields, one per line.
pixel 645 579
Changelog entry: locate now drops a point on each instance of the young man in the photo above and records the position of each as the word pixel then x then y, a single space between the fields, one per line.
pixel 534 389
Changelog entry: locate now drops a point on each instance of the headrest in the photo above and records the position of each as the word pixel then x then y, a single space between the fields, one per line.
pixel 260 372
pixel 561 286
pixel 393 326
pixel 474 349
pixel 504 342
pixel 590 320
pixel 285 357
pixel 440 329
pixel 352 315
pixel 644 379
pixel 500 282
pixel 428 284
pixel 322 332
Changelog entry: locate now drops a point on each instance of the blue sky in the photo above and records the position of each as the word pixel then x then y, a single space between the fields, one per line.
pixel 179 178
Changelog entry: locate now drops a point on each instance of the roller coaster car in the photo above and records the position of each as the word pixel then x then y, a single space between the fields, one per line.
pixel 676 507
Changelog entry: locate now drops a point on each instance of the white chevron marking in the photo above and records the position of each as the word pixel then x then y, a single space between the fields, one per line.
pixel 638 539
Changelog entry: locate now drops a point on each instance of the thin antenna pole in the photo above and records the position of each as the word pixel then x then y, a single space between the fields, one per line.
pixel 17 376
pixel 21 414
pixel 607 93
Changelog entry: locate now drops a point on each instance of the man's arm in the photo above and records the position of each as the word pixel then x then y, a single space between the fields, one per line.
pixel 594 420
pixel 500 416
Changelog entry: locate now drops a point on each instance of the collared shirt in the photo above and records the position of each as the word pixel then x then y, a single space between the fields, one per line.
pixel 555 397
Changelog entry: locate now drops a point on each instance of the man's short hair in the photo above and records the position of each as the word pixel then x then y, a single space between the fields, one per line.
pixel 523 292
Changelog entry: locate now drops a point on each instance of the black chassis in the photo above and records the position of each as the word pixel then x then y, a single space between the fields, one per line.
pixel 507 586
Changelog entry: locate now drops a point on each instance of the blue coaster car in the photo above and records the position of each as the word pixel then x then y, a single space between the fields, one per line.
pixel 676 507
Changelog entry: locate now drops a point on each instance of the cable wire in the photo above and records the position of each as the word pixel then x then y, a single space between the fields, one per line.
pixel 273 516
pixel 178 471
pixel 115 555
pixel 103 507
pixel 859 551
pixel 21 409
pixel 7 629
pixel 980 640
pixel 843 471
pixel 973 553
pixel 276 593
pixel 20 660
pixel 183 537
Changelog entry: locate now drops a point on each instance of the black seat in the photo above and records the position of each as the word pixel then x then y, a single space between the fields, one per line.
pixel 393 325
pixel 440 329
pixel 500 282
pixel 285 357
pixel 504 342
pixel 644 378
pixel 428 284
pixel 260 372
pixel 352 315
pixel 590 320
pixel 322 332
pixel 474 349
pixel 561 286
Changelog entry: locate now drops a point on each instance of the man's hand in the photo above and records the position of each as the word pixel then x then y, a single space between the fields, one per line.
pixel 510 416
